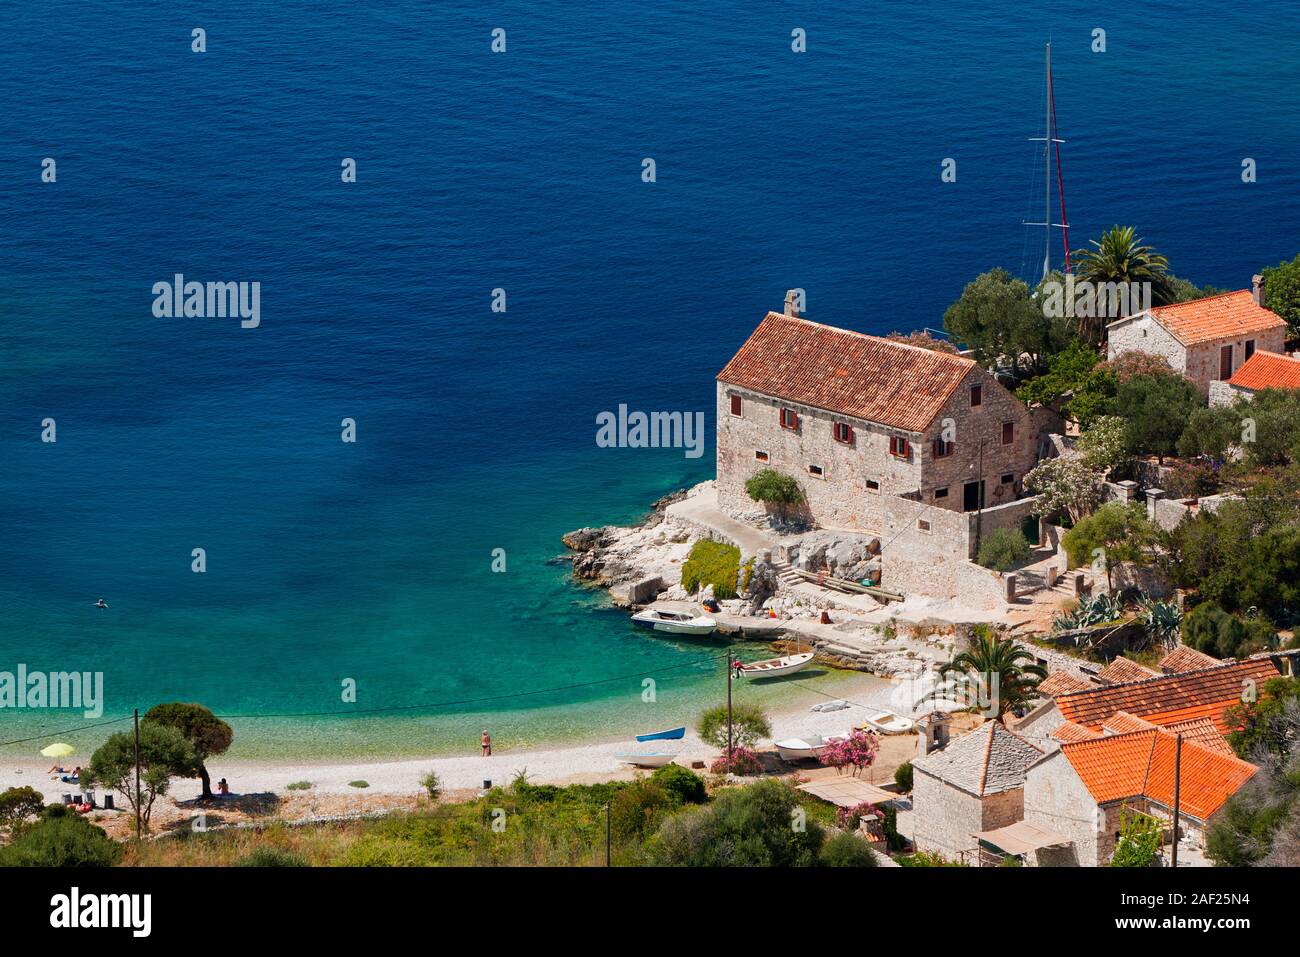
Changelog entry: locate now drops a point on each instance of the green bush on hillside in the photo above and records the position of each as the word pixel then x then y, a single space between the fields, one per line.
pixel 683 784
pixel 271 857
pixel 60 839
pixel 712 563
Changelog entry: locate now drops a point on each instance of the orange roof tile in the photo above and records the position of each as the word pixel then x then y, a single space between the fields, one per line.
pixel 1204 733
pixel 1124 669
pixel 1141 764
pixel 1069 731
pixel 1216 317
pixel 1167 699
pixel 1183 659
pixel 1121 722
pixel 838 370
pixel 1062 682
pixel 1267 370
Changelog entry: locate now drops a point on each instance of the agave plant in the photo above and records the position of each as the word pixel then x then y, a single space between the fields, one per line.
pixel 1162 621
pixel 1092 610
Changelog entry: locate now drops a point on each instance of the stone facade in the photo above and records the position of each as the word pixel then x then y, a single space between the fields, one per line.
pixel 1199 361
pixel 1056 800
pixel 946 817
pixel 844 483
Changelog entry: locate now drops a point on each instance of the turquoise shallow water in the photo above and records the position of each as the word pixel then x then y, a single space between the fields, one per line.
pixel 476 430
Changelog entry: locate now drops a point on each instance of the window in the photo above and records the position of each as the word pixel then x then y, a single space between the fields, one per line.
pixel 1008 479
pixel 816 470
pixel 1225 362
pixel 873 485
pixel 941 493
pixel 899 447
pixel 922 525
pixel 789 419
pixel 844 433
pixel 943 449
pixel 760 455
pixel 1008 432
pixel 735 405
pixel 1250 348
pixel 976 395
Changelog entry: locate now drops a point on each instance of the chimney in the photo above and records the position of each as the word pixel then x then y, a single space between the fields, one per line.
pixel 791 303
pixel 1257 289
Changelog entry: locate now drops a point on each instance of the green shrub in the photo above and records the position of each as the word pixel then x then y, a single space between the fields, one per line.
pixel 299 786
pixel 712 563
pixel 1210 629
pixel 638 810
pixel 748 725
pixel 1139 841
pixel 61 839
pixel 682 784
pixel 774 488
pixel 742 827
pixel 18 804
pixel 846 850
pixel 432 784
pixel 1003 549
pixel 358 784
pixel 271 857
pixel 903 777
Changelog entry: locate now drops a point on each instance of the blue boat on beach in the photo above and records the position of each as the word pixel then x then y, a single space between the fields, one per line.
pixel 670 735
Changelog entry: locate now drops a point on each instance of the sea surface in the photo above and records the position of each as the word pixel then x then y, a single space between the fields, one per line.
pixel 371 562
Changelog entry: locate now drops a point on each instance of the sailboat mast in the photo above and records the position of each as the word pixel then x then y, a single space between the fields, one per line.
pixel 1047 166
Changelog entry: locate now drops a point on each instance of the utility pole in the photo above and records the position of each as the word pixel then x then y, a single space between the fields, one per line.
pixel 607 864
pixel 137 775
pixel 730 665
pixel 1178 781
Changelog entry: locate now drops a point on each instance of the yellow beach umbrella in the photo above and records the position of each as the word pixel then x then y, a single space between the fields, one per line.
pixel 58 750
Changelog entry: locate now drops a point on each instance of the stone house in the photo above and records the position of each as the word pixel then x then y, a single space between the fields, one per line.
pixel 1083 789
pixel 855 418
pixel 974 784
pixel 1207 340
pixel 1263 370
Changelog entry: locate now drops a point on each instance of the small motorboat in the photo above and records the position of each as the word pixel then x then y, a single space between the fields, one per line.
pixel 673 734
pixel 771 667
pixel 651 759
pixel 839 704
pixel 886 722
pixel 674 622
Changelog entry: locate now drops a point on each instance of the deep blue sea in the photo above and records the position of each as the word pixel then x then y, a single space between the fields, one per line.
pixel 520 171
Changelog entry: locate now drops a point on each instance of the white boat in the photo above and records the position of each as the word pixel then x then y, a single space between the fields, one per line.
pixel 653 759
pixel 886 722
pixel 801 749
pixel 674 622
pixel 772 667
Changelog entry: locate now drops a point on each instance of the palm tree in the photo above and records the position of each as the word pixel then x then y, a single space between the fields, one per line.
pixel 1000 667
pixel 1120 257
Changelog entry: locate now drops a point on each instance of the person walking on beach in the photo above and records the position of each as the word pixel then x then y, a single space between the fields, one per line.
pixel 487 744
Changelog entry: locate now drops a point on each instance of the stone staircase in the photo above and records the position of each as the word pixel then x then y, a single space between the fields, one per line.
pixel 786 574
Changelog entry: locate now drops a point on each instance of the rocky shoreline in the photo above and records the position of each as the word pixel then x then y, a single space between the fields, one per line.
pixel 641 564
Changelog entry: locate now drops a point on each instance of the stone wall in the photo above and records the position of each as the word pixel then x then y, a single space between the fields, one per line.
pixel 944 817
pixel 1055 799
pixel 840 497
pixel 1202 365
pixel 1141 333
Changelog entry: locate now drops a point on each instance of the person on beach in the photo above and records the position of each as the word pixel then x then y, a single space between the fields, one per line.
pixel 223 787
pixel 487 744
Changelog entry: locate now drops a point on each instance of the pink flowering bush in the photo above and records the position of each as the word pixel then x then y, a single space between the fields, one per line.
pixel 743 762
pixel 857 751
pixel 847 818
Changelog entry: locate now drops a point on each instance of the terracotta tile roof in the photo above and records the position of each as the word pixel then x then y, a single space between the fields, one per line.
pixel 1167 699
pixel 989 760
pixel 1124 669
pixel 1062 682
pixel 1183 659
pixel 1267 370
pixel 1121 722
pixel 1204 733
pixel 1216 317
pixel 1141 764
pixel 837 370
pixel 1069 731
